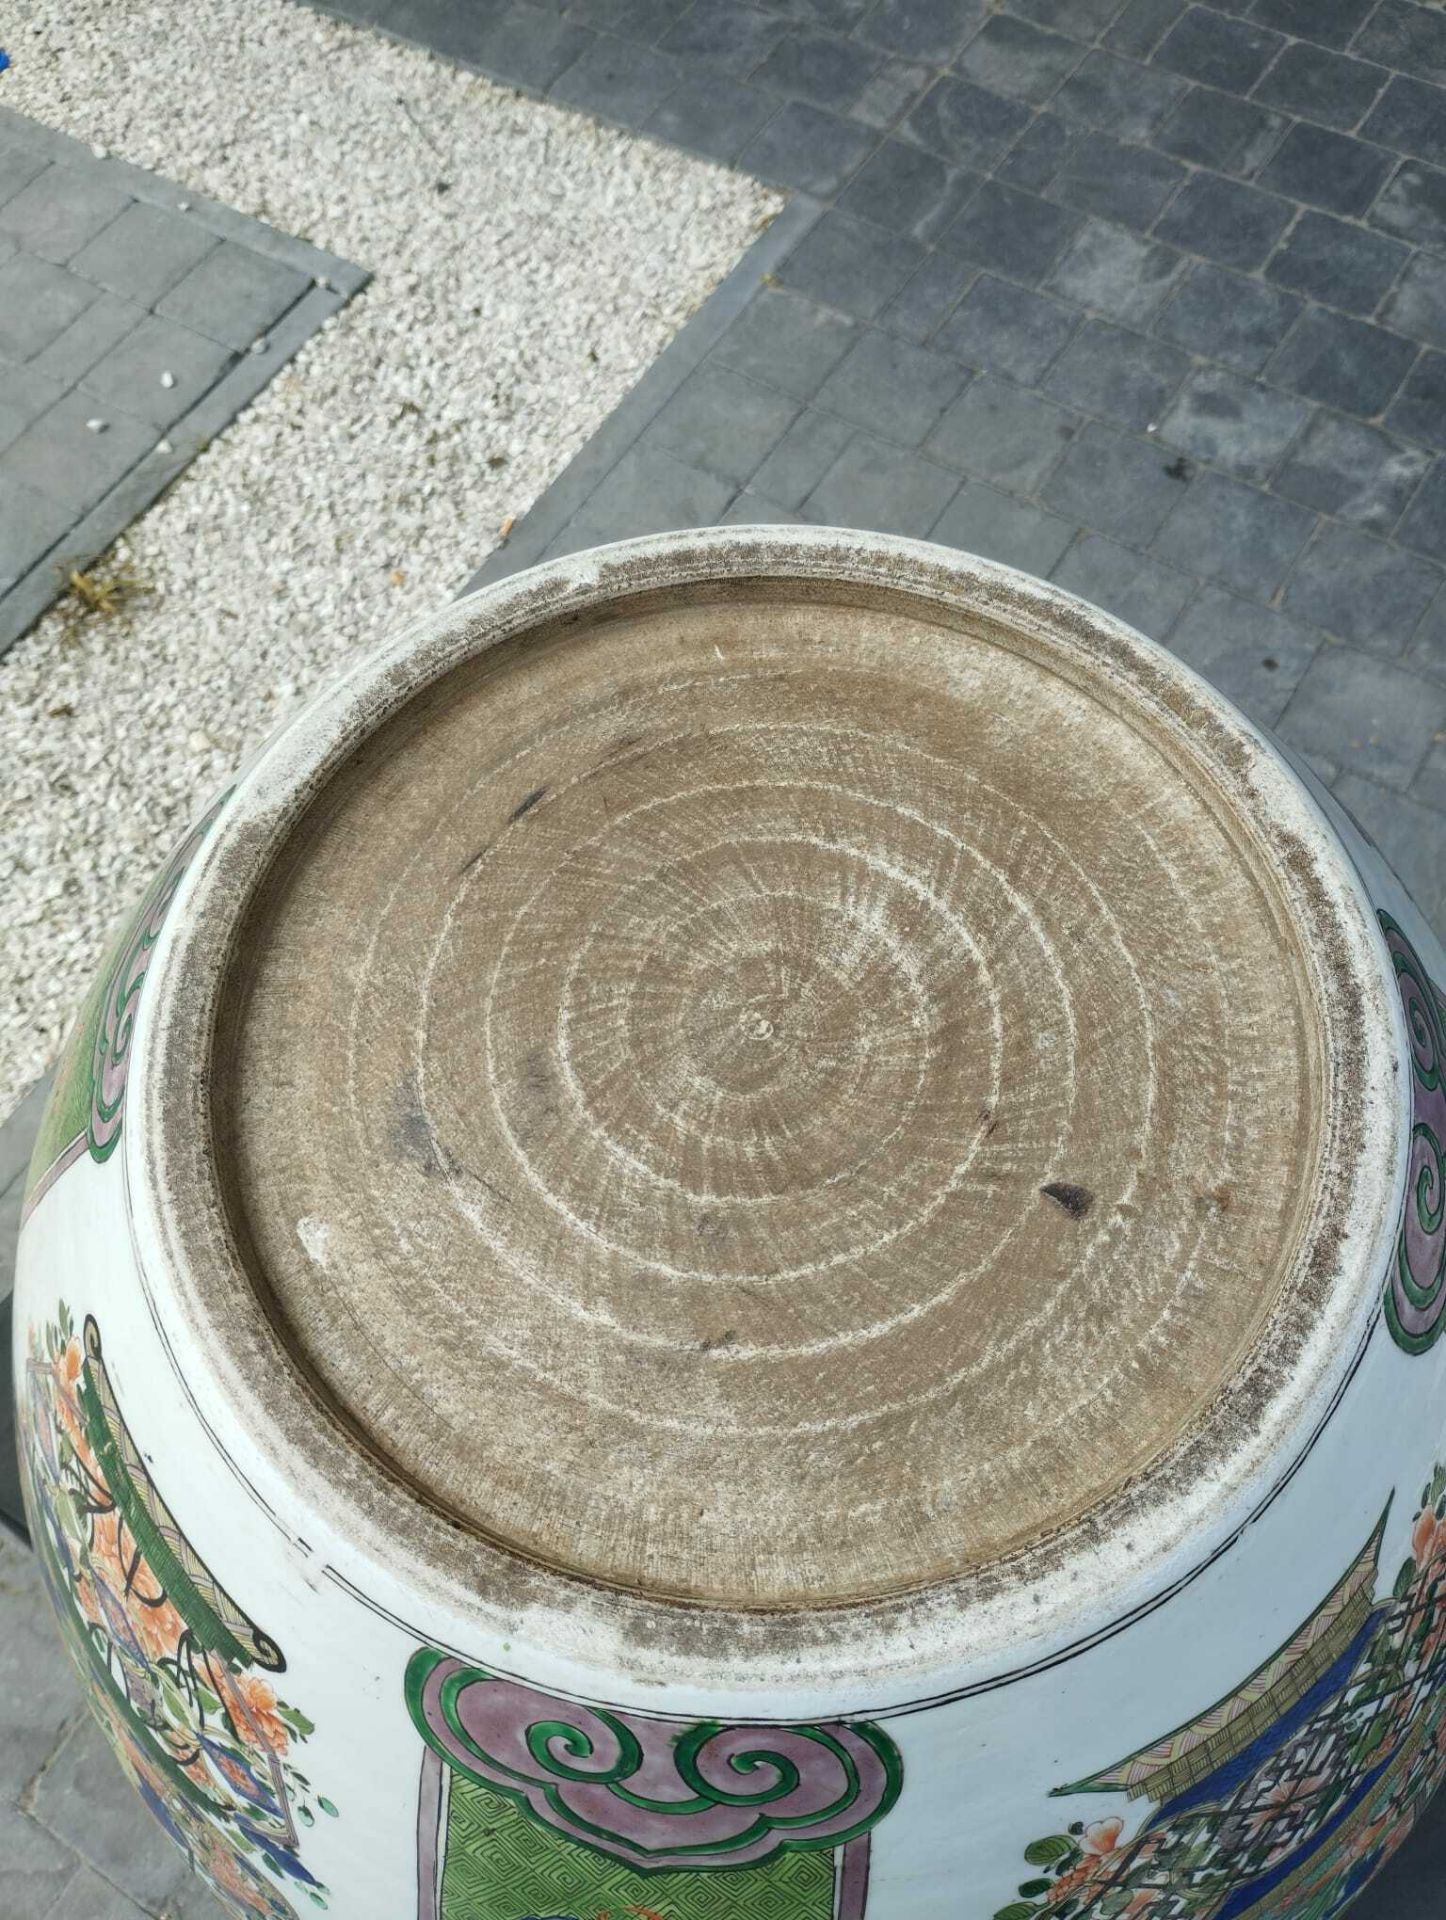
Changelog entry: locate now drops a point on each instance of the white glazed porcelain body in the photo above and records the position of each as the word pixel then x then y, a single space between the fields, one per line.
pixel 1246 1723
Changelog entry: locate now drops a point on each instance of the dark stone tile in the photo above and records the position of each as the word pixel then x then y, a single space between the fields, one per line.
pixel 1080 19
pixel 1014 57
pixel 1322 85
pixel 84 1799
pixel 1254 656
pixel 1413 205
pixel 1115 272
pixel 1224 220
pixel 882 489
pixel 1038 153
pixel 965 123
pixel 754 510
pixel 1112 482
pixel 1227 318
pixel 1353 471
pixel 1361 589
pixel 37 1866
pixel 1420 407
pixel 818 67
pixel 801 458
pixel 934 291
pixel 75 350
pixel 1119 95
pixel 735 38
pixel 891 387
pixel 30 525
pixel 710 114
pixel 721 423
pixel 1130 585
pixel 18 166
pixel 1417 308
pixel 786 341
pixel 1103 175
pixel 648 491
pixel 1218 49
pixel 1426 649
pixel 1003 433
pixel 1235 534
pixel 1218 130
pixel 454 32
pixel 1326 169
pixel 804 146
pixel 1371 717
pixel 1012 232
pixel 129 378
pixel 889 95
pixel 59 456
pixel 1411 116
pixel 1413 838
pixel 233 294
pixel 1141 25
pixel 38 302
pixel 1237 424
pixel 144 252
pixel 851 265
pixel 24 396
pixel 60 210
pixel 1429 786
pixel 932 30
pixel 838 16
pixel 643 20
pixel 1338 262
pixel 980 519
pixel 530 47
pixel 1123 377
pixel 618 80
pixel 1424 524
pixel 1343 363
pixel 1406 35
pixel 1330 21
pixel 907 189
pixel 1002 327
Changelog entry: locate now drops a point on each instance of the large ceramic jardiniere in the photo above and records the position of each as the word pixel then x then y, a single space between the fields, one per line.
pixel 757 1230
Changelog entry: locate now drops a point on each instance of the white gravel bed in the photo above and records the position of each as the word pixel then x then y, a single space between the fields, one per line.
pixel 509 314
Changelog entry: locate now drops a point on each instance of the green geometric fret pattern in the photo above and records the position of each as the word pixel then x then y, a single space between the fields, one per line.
pixel 502 1865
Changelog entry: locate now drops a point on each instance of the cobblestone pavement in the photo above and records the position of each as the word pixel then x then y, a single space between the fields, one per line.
pixel 136 320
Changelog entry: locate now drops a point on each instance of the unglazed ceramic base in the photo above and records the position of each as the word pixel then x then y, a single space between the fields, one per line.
pixel 758 1231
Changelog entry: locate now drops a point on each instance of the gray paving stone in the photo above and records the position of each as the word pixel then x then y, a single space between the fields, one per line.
pixel 1102 175
pixel 1006 329
pixel 851 265
pixel 233 295
pixel 840 16
pixel 964 123
pixel 1141 25
pixel 801 458
pixel 30 525
pixel 736 38
pixel 59 456
pixel 1014 57
pixel 1373 717
pixel 89 1897
pixel 1420 408
pixel 1335 261
pixel 1011 232
pixel 1423 526
pixel 144 252
pixel 19 164
pixel 1411 117
pixel 1129 585
pixel 721 422
pixel 1038 154
pixel 892 91
pixel 38 301
pixel 1117 273
pixel 1223 52
pixel 454 32
pixel 24 394
pixel 786 341
pixel 644 20
pixel 1221 130
pixel 529 47
pixel 908 190
pixel 1120 95
pixel 1429 786
pixel 1361 589
pixel 75 350
pixel 1426 649
pixel 85 1800
pixel 34 1866
pixel 1326 169
pixel 1404 34
pixel 1417 307
pixel 1323 85
pixel 932 30
pixel 648 491
pixel 129 377
pixel 617 79
pixel 39 1694
pixel 711 115
pixel 1082 19
pixel 1330 21
pixel 806 147
pixel 881 488
pixel 1353 471
pixel 929 294
pixel 1413 204
pixel 1124 377
pixel 1255 656
pixel 1225 220
pixel 892 387
pixel 982 520
pixel 757 510
pixel 1234 423
pixel 1412 838
pixel 1228 318
pixel 819 67
pixel 1003 433
pixel 1113 483
pixel 1234 534
pixel 1342 362
pixel 60 210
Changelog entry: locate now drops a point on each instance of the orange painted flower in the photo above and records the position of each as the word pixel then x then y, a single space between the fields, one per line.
pixel 1103 1836
pixel 254 1709
pixel 1423 1535
pixel 158 1626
